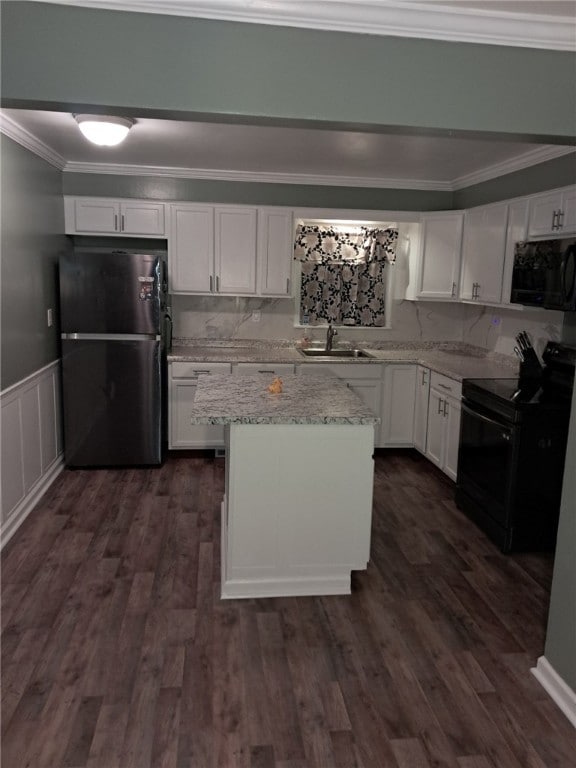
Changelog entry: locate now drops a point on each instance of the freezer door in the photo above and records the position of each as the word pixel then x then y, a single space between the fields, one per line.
pixel 114 402
pixel 111 292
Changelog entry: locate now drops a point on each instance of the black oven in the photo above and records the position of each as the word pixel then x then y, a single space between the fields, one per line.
pixel 513 438
pixel 544 274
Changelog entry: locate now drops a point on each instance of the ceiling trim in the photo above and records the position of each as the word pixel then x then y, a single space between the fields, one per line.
pixel 258 176
pixel 14 131
pixel 532 157
pixel 397 18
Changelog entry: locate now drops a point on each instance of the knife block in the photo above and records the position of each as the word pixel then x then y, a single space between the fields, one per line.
pixel 530 367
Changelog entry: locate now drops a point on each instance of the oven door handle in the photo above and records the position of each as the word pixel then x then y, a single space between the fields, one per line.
pixel 481 416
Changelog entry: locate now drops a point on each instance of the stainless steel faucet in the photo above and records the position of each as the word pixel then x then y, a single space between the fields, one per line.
pixel 330 333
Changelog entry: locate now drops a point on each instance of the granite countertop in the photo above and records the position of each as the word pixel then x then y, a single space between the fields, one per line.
pixel 456 360
pixel 224 398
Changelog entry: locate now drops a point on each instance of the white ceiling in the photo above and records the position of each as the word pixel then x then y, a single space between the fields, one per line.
pixel 295 155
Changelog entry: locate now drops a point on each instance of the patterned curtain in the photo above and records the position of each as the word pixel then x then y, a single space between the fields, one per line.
pixel 343 273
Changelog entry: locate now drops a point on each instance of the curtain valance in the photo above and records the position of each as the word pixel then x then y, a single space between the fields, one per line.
pixel 354 245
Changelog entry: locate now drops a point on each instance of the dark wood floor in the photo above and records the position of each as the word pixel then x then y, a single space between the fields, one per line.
pixel 118 653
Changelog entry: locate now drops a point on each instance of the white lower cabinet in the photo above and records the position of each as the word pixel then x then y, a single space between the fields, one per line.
pixel 421 408
pixel 397 410
pixel 365 380
pixel 443 434
pixel 181 433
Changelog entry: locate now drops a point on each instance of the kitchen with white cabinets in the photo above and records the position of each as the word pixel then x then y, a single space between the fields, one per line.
pixel 120 569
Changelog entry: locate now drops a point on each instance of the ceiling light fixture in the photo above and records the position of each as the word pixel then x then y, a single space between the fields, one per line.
pixel 104 131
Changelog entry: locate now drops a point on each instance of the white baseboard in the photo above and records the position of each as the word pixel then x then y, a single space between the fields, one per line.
pixel 559 691
pixel 22 510
pixel 297 587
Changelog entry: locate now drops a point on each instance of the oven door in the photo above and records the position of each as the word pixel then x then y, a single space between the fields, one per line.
pixel 486 460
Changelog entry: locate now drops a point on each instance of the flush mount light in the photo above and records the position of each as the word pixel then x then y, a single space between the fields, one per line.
pixel 104 131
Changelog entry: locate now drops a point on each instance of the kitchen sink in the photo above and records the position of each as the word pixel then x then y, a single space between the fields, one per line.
pixel 338 353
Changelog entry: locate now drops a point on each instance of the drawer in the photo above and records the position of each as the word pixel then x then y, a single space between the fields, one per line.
pixel 445 384
pixel 278 369
pixel 343 370
pixel 191 370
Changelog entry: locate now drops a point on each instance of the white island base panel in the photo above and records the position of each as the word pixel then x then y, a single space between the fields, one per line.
pixel 297 512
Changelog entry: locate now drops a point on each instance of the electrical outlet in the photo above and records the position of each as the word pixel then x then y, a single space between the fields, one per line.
pixel 50 318
pixel 256 316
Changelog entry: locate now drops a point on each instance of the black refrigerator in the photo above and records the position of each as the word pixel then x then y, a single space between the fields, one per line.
pixel 113 316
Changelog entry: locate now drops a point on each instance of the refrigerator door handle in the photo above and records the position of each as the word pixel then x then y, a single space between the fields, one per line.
pixel 110 336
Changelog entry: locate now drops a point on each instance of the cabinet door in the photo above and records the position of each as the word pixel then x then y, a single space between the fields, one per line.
pixel 483 248
pixel 542 214
pixel 235 250
pixel 142 218
pixel 191 249
pixel 568 218
pixel 421 408
pixel 440 256
pixel 95 216
pixel 275 251
pixel 452 437
pixel 516 231
pixel 435 436
pixel 398 402
pixel 183 434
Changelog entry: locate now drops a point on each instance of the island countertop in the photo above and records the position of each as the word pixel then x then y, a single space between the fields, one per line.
pixel 228 399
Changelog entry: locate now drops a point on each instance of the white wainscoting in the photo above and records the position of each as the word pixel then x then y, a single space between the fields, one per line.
pixel 31 444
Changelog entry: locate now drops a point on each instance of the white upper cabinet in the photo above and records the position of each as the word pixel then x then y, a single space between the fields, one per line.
pixel 553 213
pixel 235 250
pixel 439 261
pixel 93 215
pixel 515 233
pixel 191 248
pixel 229 250
pixel 483 248
pixel 275 251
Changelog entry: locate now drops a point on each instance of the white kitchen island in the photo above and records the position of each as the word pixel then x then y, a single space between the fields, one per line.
pixel 297 509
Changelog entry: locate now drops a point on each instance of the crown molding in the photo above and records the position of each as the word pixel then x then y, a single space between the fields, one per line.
pixel 258 176
pixel 397 18
pixel 532 157
pixel 26 139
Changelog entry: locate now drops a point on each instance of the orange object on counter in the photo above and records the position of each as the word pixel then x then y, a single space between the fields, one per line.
pixel 276 387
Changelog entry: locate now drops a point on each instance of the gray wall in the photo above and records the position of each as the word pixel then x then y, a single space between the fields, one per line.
pixel 250 193
pixel 32 227
pixel 86 58
pixel 561 636
pixel 559 172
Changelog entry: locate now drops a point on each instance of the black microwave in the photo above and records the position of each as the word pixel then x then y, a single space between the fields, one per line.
pixel 544 274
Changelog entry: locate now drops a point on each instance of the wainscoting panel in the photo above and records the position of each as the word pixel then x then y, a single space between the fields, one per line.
pixel 31 443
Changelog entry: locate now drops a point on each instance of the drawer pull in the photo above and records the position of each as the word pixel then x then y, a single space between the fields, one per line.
pixel 445 386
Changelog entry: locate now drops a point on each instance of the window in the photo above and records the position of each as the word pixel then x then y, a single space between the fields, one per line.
pixel 343 273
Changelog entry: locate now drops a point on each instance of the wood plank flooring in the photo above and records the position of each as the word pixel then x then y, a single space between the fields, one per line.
pixel 118 653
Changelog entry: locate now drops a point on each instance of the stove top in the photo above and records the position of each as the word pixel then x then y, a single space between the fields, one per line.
pixel 515 391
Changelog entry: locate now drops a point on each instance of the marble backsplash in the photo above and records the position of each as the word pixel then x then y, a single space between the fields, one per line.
pixel 231 318
pixel 492 328
pixel 495 328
